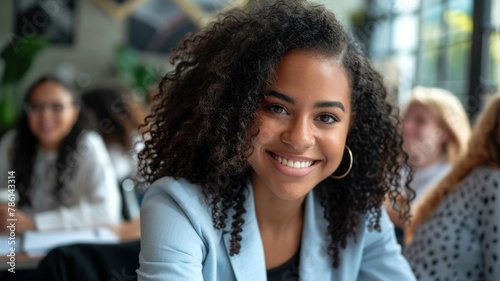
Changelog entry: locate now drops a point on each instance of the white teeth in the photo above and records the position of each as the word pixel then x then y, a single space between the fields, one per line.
pixel 293 164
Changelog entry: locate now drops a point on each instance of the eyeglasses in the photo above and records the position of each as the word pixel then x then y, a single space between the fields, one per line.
pixel 56 108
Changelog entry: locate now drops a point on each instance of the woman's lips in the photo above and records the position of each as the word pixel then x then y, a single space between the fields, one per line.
pixel 290 162
pixel 292 166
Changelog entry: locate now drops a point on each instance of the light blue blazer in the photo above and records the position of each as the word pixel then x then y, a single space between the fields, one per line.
pixel 179 242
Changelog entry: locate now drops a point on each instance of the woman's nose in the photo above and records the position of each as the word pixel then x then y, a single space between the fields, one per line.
pixel 299 134
pixel 408 127
pixel 45 112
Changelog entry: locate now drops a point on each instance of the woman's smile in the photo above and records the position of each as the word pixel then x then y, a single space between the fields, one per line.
pixel 292 168
pixel 287 161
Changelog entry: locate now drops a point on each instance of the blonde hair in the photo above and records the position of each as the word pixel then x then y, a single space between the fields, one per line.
pixel 483 150
pixel 450 115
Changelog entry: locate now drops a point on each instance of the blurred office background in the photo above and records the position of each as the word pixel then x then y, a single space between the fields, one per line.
pixel 453 44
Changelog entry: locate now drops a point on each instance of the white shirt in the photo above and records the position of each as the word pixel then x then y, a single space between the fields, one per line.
pixel 125 162
pixel 93 197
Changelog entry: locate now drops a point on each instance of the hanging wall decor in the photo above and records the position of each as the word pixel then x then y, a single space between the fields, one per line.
pixel 52 19
pixel 119 9
pixel 159 25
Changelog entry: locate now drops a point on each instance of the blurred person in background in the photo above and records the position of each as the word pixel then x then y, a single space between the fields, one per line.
pixel 63 174
pixel 455 229
pixel 117 118
pixel 436 131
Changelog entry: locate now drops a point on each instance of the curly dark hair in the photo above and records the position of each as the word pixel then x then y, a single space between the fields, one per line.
pixel 198 129
pixel 26 144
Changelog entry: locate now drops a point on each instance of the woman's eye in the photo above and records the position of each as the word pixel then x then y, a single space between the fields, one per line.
pixel 57 107
pixel 277 109
pixel 36 107
pixel 420 121
pixel 326 118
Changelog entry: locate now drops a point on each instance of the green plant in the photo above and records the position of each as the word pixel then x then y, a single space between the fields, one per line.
pixel 18 57
pixel 134 74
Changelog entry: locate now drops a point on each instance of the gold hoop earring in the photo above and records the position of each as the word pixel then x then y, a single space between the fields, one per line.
pixel 350 166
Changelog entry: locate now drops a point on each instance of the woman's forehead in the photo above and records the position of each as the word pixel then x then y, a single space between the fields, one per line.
pixel 50 91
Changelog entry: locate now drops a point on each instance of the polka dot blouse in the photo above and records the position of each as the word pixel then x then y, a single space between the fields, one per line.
pixel 460 239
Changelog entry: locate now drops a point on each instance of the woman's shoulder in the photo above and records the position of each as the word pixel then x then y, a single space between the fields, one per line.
pixel 481 183
pixel 8 137
pixel 484 174
pixel 180 192
pixel 6 146
pixel 92 143
pixel 484 169
pixel 176 202
pixel 180 187
pixel 90 137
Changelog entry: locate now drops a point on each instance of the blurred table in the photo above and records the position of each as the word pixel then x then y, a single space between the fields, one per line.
pixel 126 231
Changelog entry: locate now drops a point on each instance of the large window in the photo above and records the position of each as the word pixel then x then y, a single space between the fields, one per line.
pixel 434 43
pixel 491 56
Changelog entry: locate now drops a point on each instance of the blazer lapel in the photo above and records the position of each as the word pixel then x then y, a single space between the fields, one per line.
pixel 249 264
pixel 314 258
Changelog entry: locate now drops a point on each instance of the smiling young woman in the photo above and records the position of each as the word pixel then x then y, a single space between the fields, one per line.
pixel 51 114
pixel 305 119
pixel 268 155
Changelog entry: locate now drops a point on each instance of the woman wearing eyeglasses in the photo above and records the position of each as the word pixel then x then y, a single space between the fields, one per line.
pixel 62 176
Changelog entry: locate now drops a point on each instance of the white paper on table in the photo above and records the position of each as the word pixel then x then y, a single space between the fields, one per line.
pixel 37 243
pixel 5 247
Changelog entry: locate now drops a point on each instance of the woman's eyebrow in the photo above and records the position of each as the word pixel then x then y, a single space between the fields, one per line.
pixel 281 96
pixel 329 104
pixel 320 104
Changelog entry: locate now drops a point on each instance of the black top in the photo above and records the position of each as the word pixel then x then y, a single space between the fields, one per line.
pixel 288 271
